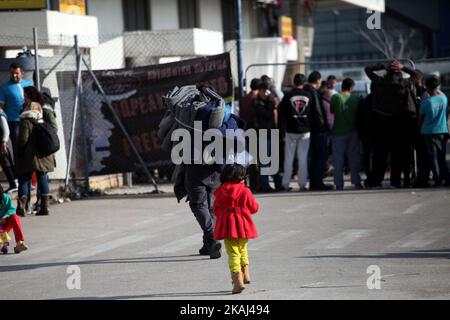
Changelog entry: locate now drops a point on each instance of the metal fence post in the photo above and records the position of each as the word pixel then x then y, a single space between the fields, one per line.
pixel 239 47
pixel 74 119
pixel 36 60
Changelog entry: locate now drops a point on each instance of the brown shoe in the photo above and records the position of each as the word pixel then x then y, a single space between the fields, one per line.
pixel 238 283
pixel 246 273
pixel 20 247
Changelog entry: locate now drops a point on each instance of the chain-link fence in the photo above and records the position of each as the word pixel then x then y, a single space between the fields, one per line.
pixel 105 139
pixel 130 92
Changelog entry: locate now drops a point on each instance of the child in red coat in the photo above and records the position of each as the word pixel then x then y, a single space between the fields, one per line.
pixel 233 207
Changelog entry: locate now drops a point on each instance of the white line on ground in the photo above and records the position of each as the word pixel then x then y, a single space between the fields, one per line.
pixel 341 240
pixel 300 207
pixel 166 218
pixel 111 245
pixel 176 245
pixel 413 209
pixel 271 237
pixel 312 285
pixel 421 239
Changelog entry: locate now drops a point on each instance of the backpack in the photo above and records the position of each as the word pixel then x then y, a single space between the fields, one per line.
pixel 47 139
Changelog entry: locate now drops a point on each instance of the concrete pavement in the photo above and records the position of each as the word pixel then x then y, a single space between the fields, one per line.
pixel 311 246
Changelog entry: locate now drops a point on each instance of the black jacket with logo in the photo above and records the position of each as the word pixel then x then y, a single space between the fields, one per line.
pixel 294 111
pixel 318 118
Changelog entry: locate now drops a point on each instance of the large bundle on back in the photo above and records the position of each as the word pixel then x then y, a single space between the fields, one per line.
pixel 190 104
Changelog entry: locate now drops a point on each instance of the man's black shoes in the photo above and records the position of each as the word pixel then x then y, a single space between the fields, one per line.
pixel 212 250
pixel 215 250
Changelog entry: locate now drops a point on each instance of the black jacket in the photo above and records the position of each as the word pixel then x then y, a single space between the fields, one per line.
pixel 294 111
pixel 264 113
pixel 393 96
pixel 318 118
pixel 364 116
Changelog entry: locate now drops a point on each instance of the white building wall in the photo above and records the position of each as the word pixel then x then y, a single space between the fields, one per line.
pixel 263 50
pixel 377 5
pixel 164 14
pixel 210 15
pixel 54 29
pixel 110 53
pixel 110 17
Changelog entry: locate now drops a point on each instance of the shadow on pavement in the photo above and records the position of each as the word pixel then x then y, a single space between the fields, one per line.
pixel 157 295
pixel 420 254
pixel 166 259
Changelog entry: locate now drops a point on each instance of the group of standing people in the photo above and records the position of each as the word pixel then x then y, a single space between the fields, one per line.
pixel 401 124
pixel 22 109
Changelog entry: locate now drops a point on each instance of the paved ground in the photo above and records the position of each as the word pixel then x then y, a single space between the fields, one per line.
pixel 312 246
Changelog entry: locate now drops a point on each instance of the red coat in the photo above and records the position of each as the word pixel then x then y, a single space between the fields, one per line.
pixel 233 207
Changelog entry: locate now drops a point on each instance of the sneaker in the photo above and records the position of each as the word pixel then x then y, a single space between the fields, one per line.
pixel 20 248
pixel 215 250
pixel 4 249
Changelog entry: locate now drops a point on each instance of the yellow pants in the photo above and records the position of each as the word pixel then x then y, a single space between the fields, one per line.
pixel 237 253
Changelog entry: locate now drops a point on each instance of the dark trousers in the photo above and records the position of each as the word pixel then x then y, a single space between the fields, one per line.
pixel 13 132
pixel 367 151
pixel 7 165
pixel 318 157
pixel 423 161
pixel 402 155
pixel 265 178
pixel 437 150
pixel 254 178
pixel 200 181
pixel 394 136
pixel 25 184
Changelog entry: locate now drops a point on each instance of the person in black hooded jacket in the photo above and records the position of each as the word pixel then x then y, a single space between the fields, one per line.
pixel 395 122
pixel 320 133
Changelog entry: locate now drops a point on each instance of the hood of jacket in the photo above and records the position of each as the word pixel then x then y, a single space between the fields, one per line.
pixel 229 192
pixel 32 115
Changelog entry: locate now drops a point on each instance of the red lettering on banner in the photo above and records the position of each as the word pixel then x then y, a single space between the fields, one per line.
pixel 116 107
pixel 126 148
pixel 134 106
pixel 186 70
pixel 137 143
pixel 154 134
pixel 199 68
pixel 152 107
pixel 142 105
pixel 125 108
pixel 145 142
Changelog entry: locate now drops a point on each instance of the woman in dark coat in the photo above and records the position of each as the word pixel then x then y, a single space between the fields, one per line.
pixel 27 158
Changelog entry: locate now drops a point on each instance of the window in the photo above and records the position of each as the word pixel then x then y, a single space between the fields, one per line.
pixel 136 14
pixel 229 20
pixel 188 14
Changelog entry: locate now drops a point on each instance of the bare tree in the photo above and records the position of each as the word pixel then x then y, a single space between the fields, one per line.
pixel 393 45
